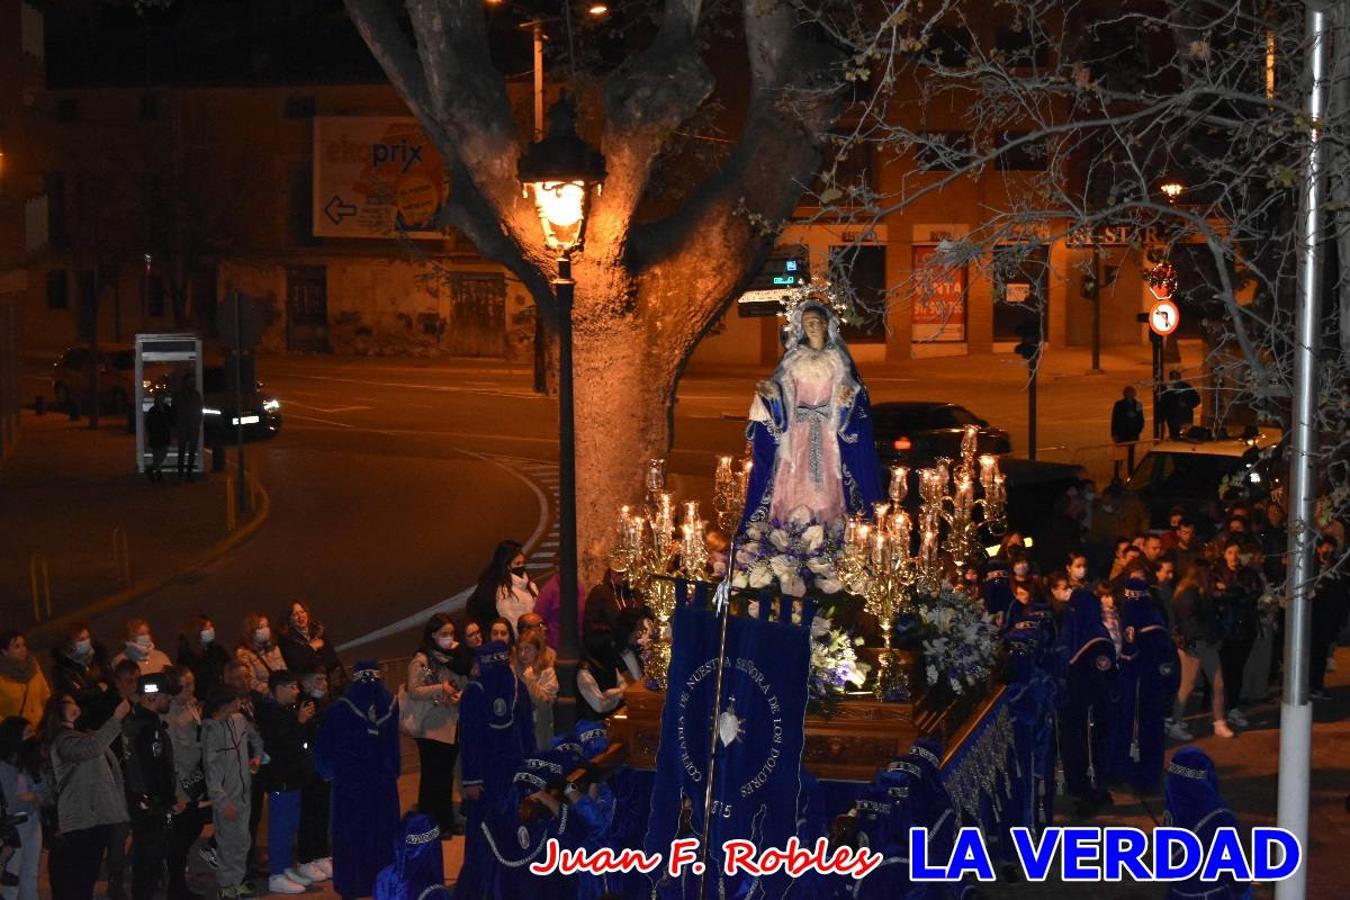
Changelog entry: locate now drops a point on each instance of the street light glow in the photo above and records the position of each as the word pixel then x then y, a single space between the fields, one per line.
pixel 1172 189
pixel 598 9
pixel 560 201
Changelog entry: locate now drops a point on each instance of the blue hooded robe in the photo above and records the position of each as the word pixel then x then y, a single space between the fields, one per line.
pixel 358 752
pixel 1149 675
pixel 496 730
pixel 418 863
pixel 1192 801
pixel 1084 715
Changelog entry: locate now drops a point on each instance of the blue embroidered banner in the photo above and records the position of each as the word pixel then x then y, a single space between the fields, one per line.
pixel 760 729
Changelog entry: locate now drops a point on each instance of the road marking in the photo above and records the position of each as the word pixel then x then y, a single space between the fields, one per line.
pixel 321 421
pixel 523 394
pixel 331 410
pixel 456 601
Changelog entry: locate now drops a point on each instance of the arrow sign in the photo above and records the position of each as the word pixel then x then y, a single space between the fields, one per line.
pixel 336 210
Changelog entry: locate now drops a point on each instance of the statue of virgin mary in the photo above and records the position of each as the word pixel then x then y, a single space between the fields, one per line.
pixel 811 429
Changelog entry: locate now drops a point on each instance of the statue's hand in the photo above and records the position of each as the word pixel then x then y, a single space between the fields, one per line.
pixel 766 390
pixel 846 395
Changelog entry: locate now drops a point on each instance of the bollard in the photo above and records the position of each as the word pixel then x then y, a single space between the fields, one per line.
pixel 38 563
pixel 230 511
pixel 122 555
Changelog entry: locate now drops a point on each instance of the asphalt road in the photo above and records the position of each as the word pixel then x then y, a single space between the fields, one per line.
pixel 393 479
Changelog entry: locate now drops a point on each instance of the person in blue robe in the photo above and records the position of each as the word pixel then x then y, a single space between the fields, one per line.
pixel 1149 675
pixel 1084 715
pixel 418 863
pixel 496 729
pixel 998 594
pixel 1192 801
pixel 810 429
pixel 358 752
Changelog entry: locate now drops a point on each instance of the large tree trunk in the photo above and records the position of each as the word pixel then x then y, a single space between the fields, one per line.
pixel 623 391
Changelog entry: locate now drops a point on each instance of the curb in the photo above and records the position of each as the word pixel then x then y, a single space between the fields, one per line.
pixel 150 585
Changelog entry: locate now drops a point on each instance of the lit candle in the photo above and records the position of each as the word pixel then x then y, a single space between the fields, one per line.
pixel 691 511
pixel 879 511
pixel 988 468
pixel 878 548
pixel 899 484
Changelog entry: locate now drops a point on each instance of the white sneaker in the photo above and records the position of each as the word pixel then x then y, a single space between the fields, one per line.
pixel 280 884
pixel 296 875
pixel 308 871
pixel 1236 717
pixel 1178 731
pixel 1222 730
pixel 326 864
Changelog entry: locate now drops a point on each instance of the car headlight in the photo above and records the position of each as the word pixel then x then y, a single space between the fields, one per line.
pixel 271 405
pixel 208 411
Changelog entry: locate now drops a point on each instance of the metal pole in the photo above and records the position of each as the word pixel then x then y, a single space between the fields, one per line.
pixel 1097 308
pixel 537 31
pixel 1031 407
pixel 241 482
pixel 1295 711
pixel 1156 343
pixel 565 710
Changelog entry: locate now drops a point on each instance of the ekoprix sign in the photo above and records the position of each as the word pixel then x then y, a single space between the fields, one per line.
pixel 375 177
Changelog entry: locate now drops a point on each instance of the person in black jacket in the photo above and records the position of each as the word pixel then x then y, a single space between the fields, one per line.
pixel 287 767
pixel 1127 421
pixel 148 772
pixel 305 646
pixel 315 798
pixel 1237 589
pixel 199 650
pixel 80 669
pixel 1329 606
pixel 158 434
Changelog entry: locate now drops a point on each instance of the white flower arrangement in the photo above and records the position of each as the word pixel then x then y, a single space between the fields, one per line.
pixel 960 641
pixel 834 661
pixel 797 554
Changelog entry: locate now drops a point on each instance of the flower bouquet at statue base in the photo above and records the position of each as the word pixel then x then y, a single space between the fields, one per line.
pixel 960 646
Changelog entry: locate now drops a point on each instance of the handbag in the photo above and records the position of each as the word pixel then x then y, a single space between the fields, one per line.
pixel 412 713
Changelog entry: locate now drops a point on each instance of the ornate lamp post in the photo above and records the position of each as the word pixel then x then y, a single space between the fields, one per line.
pixel 558 173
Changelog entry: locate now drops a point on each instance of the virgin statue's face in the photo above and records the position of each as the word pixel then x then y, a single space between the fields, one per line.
pixel 815 329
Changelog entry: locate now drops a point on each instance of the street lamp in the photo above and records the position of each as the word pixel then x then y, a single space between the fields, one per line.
pixel 558 173
pixel 1172 189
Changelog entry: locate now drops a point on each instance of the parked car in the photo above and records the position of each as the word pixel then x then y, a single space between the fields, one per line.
pixel 116 378
pixel 261 416
pixel 1194 472
pixel 916 432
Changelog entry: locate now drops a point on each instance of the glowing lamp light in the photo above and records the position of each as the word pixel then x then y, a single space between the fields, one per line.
pixel 598 9
pixel 1172 190
pixel 558 173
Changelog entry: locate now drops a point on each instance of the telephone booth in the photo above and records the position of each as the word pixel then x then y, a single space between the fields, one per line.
pixel 163 364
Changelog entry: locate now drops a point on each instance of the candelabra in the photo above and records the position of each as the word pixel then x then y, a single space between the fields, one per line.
pixel 650 556
pixel 729 492
pixel 877 562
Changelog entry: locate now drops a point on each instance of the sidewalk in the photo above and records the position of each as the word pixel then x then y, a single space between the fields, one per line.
pixel 68 495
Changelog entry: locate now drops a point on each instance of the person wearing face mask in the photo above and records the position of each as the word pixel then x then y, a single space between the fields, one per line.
pixel 258 650
pixel 23 688
pixel 1060 590
pixel 1077 570
pixel 504 588
pixel 315 802
pixel 184 721
pixel 150 778
pixel 80 668
pixel 429 711
pixel 199 650
pixel 139 646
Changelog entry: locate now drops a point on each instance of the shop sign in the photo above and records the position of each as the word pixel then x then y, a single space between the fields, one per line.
pixel 939 298
pixel 376 177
